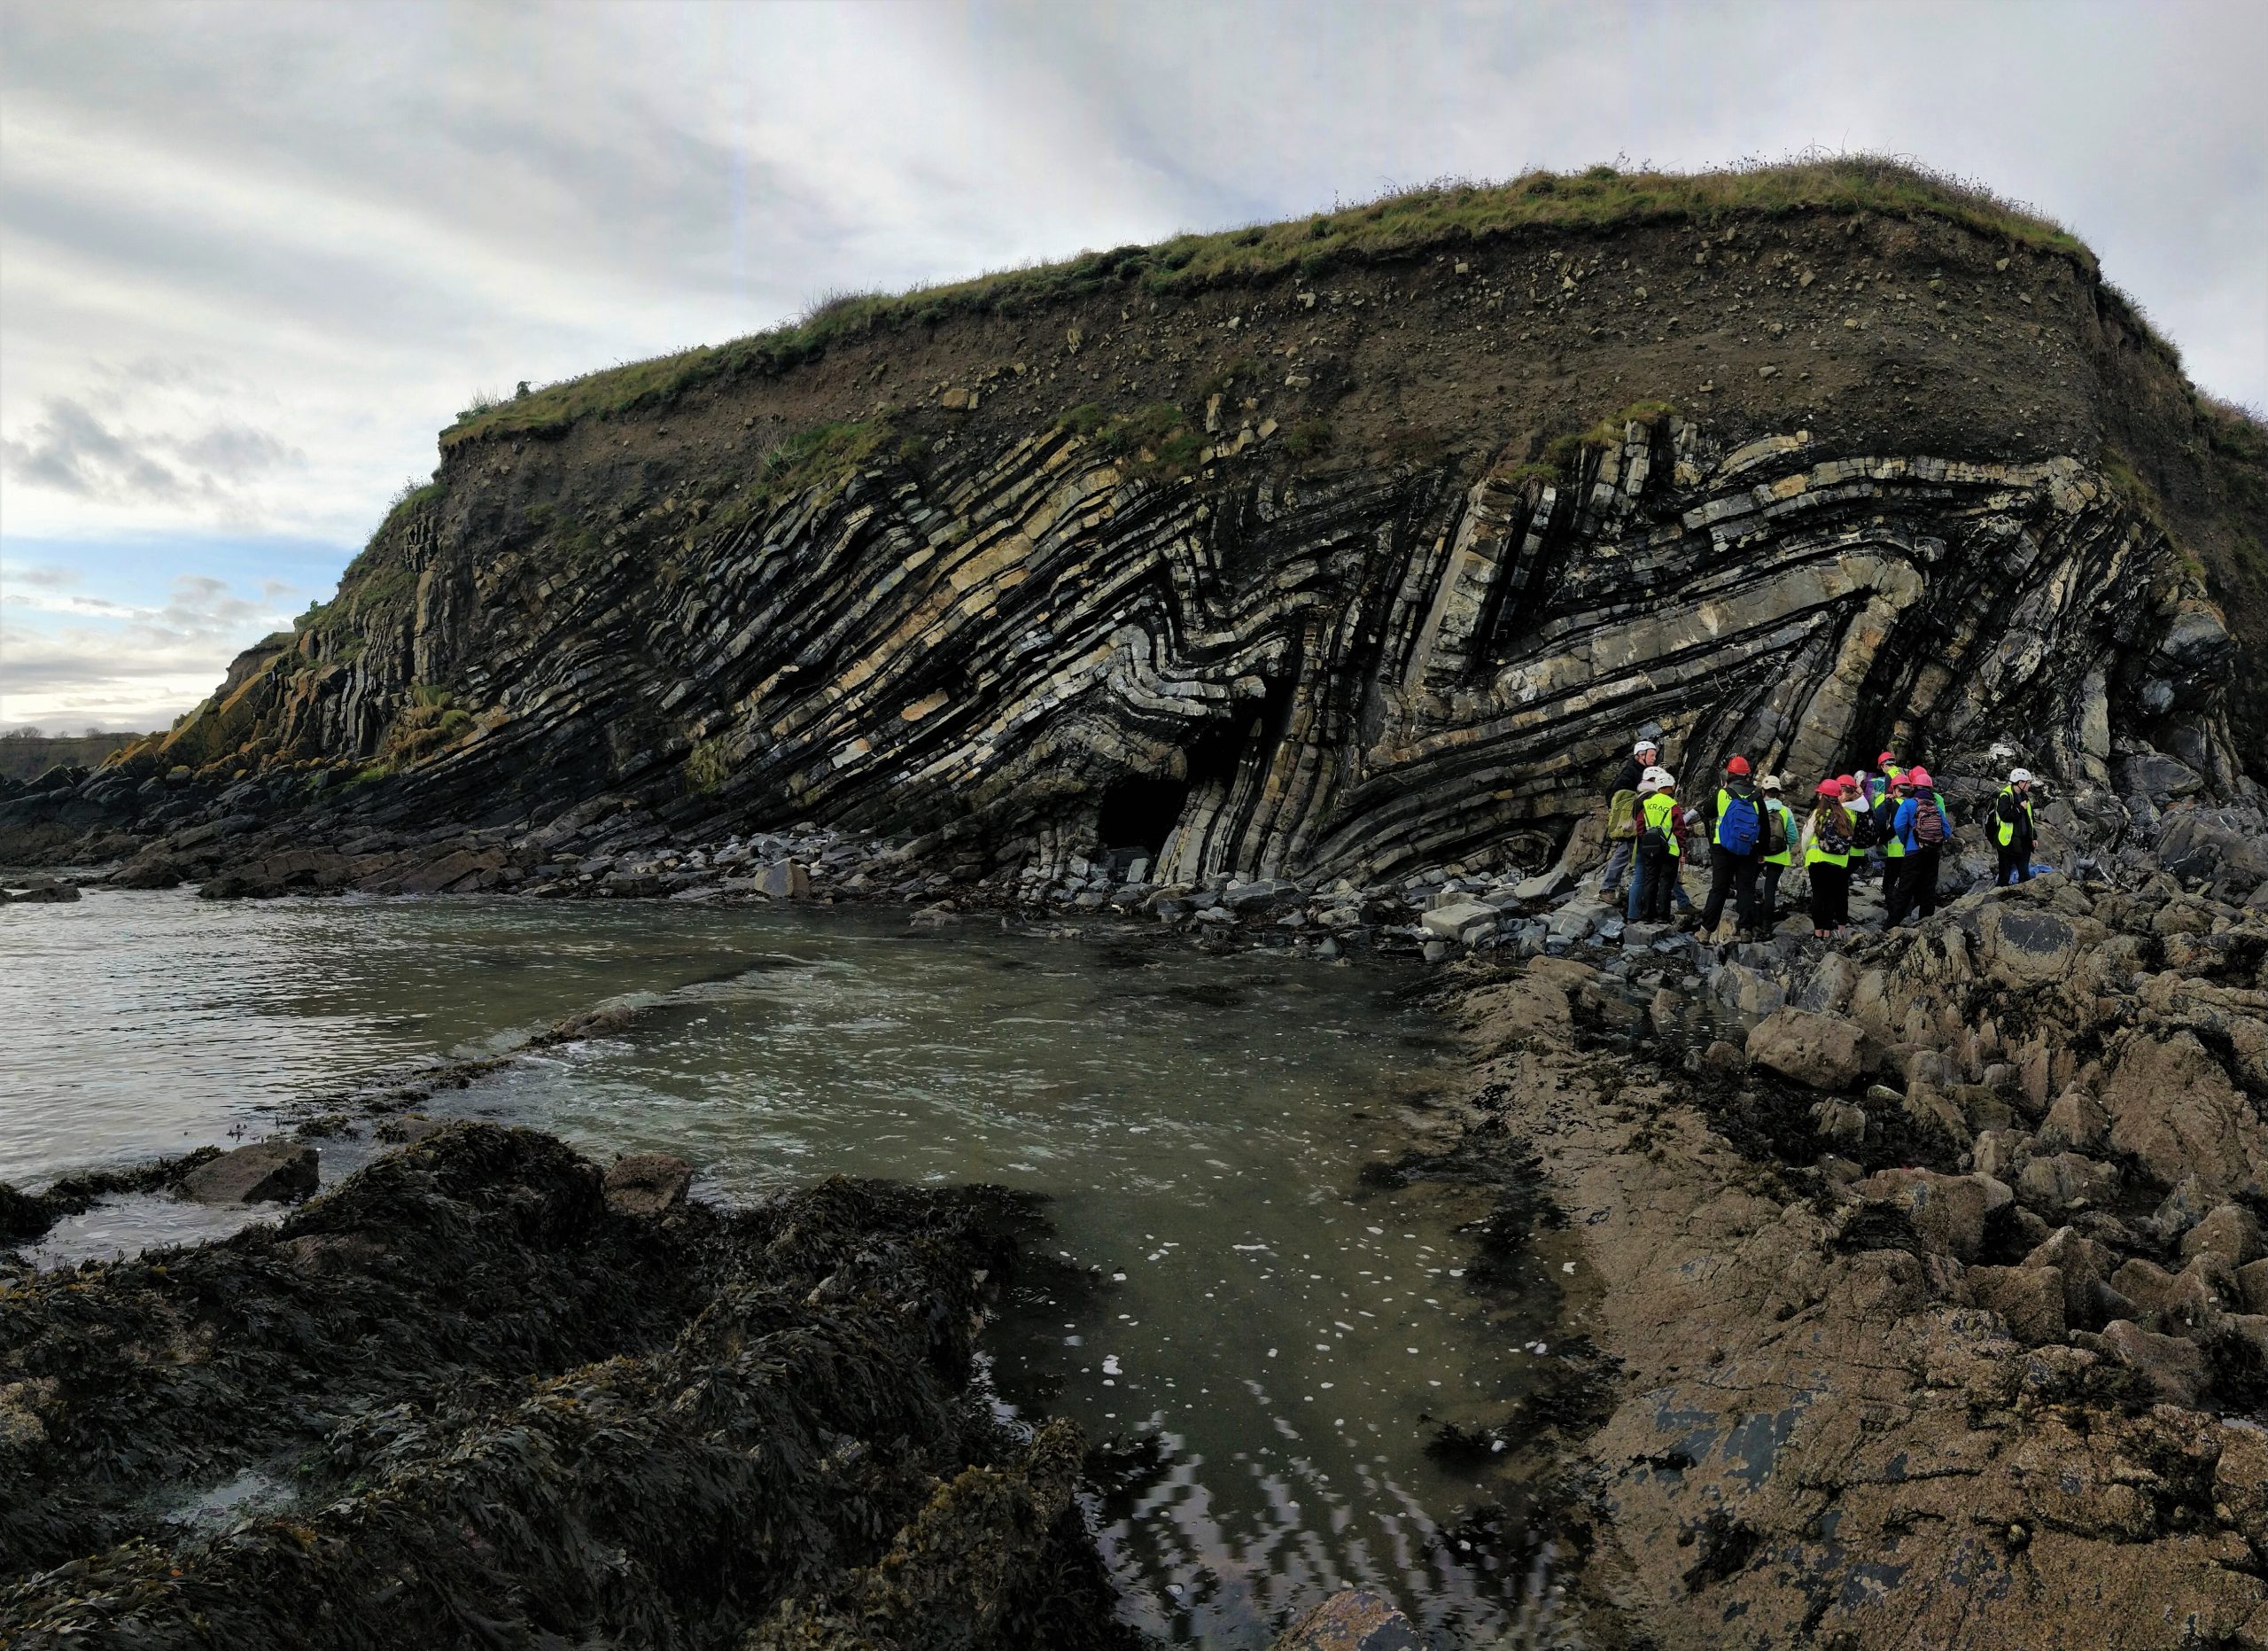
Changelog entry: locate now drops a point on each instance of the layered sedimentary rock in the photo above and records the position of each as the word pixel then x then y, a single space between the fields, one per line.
pixel 1358 598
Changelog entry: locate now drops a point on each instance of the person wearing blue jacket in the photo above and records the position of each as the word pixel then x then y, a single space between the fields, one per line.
pixel 1921 828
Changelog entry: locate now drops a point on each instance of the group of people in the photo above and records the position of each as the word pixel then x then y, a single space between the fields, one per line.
pixel 1893 819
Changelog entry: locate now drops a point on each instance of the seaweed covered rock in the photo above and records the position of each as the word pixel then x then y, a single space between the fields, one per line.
pixel 483 1398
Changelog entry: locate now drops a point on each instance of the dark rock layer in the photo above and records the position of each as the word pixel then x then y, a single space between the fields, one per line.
pixel 1360 593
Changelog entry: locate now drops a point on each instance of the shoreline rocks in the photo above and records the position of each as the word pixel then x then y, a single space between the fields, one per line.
pixel 497 1395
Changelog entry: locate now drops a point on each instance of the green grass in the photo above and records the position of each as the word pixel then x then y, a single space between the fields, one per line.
pixel 1158 438
pixel 825 456
pixel 1310 438
pixel 1399 225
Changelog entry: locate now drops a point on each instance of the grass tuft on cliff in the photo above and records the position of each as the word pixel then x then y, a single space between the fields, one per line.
pixel 1400 224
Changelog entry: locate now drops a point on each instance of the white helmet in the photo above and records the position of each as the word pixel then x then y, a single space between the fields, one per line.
pixel 1642 747
pixel 1660 778
pixel 1769 782
pixel 2019 776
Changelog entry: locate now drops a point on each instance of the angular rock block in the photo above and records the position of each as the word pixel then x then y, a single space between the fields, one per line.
pixel 268 1171
pixel 647 1183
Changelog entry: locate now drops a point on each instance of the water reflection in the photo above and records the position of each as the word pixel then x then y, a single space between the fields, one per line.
pixel 1284 1343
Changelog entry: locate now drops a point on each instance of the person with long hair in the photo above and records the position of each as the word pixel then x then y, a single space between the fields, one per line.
pixel 1827 843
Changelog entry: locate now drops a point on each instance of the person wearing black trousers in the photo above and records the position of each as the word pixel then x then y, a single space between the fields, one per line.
pixel 1732 870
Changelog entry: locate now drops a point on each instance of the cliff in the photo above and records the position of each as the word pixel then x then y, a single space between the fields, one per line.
pixel 1337 547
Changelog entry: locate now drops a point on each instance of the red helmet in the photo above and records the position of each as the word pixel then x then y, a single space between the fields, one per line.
pixel 1885 759
pixel 1738 764
pixel 1920 778
pixel 1848 781
pixel 1829 788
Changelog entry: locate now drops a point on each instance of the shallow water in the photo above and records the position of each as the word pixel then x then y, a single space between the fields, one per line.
pixel 1197 1121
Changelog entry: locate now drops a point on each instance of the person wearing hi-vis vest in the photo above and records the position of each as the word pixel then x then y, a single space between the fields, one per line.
pixel 1653 877
pixel 1621 811
pixel 1879 799
pixel 1827 846
pixel 1776 852
pixel 1921 828
pixel 1735 816
pixel 2013 831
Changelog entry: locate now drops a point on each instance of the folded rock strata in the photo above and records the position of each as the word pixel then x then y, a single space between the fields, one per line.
pixel 1014 634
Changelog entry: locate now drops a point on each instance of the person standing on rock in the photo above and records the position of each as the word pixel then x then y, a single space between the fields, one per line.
pixel 1828 843
pixel 2013 831
pixel 1657 853
pixel 1921 828
pixel 1621 817
pixel 1777 851
pixel 1880 801
pixel 1735 835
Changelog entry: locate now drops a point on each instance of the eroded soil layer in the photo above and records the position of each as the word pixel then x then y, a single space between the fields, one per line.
pixel 476 1403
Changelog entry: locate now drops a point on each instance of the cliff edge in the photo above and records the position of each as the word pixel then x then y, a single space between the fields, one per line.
pixel 1342 547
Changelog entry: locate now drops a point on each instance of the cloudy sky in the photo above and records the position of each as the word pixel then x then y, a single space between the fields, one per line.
pixel 253 257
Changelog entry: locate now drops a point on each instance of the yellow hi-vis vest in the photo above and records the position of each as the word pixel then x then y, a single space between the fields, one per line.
pixel 2004 832
pixel 1780 811
pixel 1815 856
pixel 1660 810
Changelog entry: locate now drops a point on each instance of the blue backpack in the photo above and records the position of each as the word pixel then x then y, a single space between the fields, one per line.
pixel 1739 827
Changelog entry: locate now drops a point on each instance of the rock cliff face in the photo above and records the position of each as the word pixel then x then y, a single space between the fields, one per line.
pixel 1329 571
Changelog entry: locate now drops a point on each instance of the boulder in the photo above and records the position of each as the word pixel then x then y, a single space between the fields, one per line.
pixel 1547 886
pixel 2076 1123
pixel 1577 918
pixel 1355 1619
pixel 2228 1231
pixel 2172 1106
pixel 1838 1120
pixel 267 1172
pixel 2085 1268
pixel 2000 1154
pixel 2252 1286
pixel 2029 1299
pixel 2174 1366
pixel 1819 1051
pixel 44 891
pixel 2053 1184
pixel 1464 922
pixel 2022 946
pixel 147 871
pixel 785 880
pixel 1746 990
pixel 1933 1109
pixel 22 1216
pixel 1947 1211
pixel 647 1183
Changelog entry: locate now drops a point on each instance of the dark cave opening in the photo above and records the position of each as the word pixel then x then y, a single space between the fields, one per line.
pixel 1139 812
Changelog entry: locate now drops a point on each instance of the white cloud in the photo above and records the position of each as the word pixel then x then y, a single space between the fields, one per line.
pixel 70 660
pixel 253 256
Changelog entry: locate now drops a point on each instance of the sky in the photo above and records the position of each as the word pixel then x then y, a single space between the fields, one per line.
pixel 253 257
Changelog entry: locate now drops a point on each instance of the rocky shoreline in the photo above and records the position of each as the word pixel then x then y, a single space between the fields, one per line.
pixel 483 1390
pixel 1920 1293
pixel 1934 1311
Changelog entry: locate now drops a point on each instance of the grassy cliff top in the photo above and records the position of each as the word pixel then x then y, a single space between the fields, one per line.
pixel 1402 224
